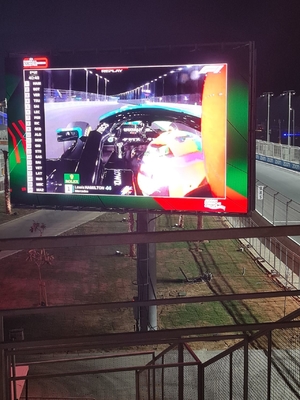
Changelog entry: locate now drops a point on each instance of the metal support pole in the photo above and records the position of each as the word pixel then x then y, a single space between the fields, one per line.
pixel 180 372
pixel 146 273
pixel 269 336
pixel 230 376
pixel 274 205
pixel 287 212
pixel 97 77
pixel 86 83
pixel 293 111
pixel 268 95
pixel 105 87
pixel 14 385
pixel 200 381
pixel 70 84
pixel 152 275
pixel 289 120
pixel 3 377
pixel 246 372
pixel 268 119
pixel 290 93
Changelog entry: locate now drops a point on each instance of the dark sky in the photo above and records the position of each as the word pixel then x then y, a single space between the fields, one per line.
pixel 37 25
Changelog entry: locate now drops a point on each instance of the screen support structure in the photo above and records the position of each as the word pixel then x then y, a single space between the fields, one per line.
pixel 146 317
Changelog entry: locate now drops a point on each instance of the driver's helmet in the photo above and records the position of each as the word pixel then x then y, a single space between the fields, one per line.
pixel 173 164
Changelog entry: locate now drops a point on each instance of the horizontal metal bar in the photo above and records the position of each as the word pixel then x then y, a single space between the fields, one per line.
pixel 91 346
pixel 148 237
pixel 141 338
pixel 103 371
pixel 74 359
pixel 149 303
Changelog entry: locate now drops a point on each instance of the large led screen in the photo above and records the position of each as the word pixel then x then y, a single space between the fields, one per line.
pixel 151 137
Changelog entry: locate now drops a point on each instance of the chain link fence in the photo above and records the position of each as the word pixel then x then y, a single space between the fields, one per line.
pixel 263 364
pixel 171 375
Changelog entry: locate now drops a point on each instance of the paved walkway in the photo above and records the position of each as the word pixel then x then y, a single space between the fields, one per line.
pixel 56 223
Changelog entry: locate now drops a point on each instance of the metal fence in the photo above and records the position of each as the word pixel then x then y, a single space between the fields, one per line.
pixel 276 207
pixel 257 365
pixel 272 254
pixel 279 259
pixel 163 378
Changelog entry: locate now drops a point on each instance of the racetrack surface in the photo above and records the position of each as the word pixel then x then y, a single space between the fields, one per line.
pixel 280 179
pixel 286 183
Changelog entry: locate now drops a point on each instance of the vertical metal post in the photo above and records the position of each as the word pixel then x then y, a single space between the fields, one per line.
pixel 279 130
pixel 287 211
pixel 3 377
pixel 163 377
pixel 289 119
pixel 200 381
pixel 70 83
pixel 105 87
pixel 290 93
pixel 246 369
pixel 180 372
pixel 13 368
pixel 269 364
pixel 263 201
pixel 154 371
pixel 97 89
pixel 268 95
pixel 274 204
pixel 152 273
pixel 142 272
pixel 137 385
pixel 149 383
pixel 26 389
pixel 280 256
pixel 293 111
pixel 230 376
pixel 146 273
pixel 86 83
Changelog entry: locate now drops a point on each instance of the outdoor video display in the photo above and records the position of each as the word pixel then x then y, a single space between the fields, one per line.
pixel 115 137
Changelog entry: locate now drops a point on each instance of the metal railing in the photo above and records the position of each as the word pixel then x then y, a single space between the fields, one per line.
pixel 261 362
pixel 276 207
pixel 272 254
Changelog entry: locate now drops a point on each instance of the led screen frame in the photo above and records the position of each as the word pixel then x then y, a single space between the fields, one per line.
pixel 158 137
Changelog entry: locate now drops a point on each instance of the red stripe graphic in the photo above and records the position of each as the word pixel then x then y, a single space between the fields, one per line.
pixel 21 123
pixel 15 145
pixel 20 134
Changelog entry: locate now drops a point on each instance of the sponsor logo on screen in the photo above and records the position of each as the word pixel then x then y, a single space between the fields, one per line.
pixel 35 62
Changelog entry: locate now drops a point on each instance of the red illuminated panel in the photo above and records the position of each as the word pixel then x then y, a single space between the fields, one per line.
pixel 35 63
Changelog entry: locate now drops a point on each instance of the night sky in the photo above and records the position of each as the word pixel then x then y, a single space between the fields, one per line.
pixel 38 25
